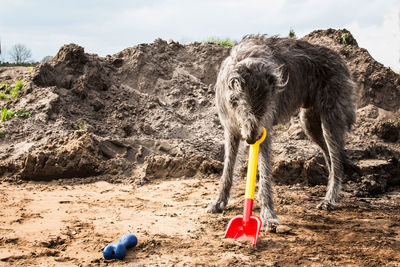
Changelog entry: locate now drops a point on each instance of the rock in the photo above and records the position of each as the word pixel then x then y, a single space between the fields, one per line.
pixel 283 229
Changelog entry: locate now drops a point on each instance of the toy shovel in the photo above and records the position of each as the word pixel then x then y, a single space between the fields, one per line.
pixel 247 227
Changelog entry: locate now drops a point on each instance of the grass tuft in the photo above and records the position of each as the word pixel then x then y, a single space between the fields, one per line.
pixel 224 42
pixel 23 113
pixel 281 127
pixel 6 114
pixel 81 124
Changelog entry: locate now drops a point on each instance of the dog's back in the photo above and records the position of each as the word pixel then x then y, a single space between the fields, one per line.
pixel 315 74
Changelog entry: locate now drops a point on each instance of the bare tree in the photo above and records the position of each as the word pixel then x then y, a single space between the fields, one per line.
pixel 20 54
pixel 2 54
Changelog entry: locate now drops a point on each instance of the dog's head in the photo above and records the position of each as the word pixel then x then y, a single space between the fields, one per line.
pixel 252 85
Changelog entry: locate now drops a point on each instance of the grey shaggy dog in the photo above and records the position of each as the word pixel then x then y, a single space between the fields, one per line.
pixel 265 81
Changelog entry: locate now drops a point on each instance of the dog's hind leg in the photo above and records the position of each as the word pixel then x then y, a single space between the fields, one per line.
pixel 231 151
pixel 333 128
pixel 265 192
pixel 311 121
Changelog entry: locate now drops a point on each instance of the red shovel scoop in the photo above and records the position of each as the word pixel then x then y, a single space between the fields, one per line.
pixel 247 227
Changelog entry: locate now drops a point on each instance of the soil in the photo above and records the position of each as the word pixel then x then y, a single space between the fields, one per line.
pixel 59 224
pixel 132 143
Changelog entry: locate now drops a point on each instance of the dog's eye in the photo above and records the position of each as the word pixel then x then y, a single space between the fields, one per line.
pixel 233 100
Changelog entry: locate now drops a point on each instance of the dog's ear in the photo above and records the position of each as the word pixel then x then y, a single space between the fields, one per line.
pixel 261 73
pixel 235 81
pixel 238 79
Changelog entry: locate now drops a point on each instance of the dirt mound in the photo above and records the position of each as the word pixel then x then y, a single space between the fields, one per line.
pixel 148 100
pixel 148 112
pixel 378 85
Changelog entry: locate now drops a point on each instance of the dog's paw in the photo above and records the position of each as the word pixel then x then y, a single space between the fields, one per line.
pixel 270 225
pixel 326 205
pixel 216 207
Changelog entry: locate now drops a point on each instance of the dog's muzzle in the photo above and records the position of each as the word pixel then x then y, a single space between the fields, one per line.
pixel 252 136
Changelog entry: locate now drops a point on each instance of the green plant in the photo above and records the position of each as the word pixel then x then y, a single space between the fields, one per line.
pixel 281 127
pixel 224 42
pixel 4 86
pixel 23 113
pixel 14 91
pixel 292 34
pixel 343 38
pixel 81 124
pixel 1 134
pixel 7 114
pixel 10 93
pixel 18 85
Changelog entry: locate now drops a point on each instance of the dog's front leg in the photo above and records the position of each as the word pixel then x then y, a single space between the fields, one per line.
pixel 265 194
pixel 231 151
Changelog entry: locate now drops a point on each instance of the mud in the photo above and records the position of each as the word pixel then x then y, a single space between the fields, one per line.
pixel 144 119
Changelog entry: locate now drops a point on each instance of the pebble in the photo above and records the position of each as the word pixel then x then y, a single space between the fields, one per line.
pixel 283 229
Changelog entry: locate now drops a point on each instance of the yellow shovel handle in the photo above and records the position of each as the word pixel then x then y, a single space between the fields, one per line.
pixel 252 167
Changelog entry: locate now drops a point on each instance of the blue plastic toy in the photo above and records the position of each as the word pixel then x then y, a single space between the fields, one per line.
pixel 128 240
pixel 118 250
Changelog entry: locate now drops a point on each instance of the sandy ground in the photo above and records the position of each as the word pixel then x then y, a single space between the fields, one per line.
pixel 58 224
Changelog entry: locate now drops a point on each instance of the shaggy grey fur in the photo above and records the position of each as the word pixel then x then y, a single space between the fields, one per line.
pixel 265 81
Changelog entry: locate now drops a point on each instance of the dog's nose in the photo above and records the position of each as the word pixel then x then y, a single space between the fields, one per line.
pixel 253 137
pixel 251 141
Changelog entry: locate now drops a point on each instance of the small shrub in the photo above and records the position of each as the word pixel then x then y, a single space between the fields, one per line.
pixel 292 34
pixel 343 39
pixel 1 134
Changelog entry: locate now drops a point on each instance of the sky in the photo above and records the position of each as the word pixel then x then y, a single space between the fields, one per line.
pixel 105 27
